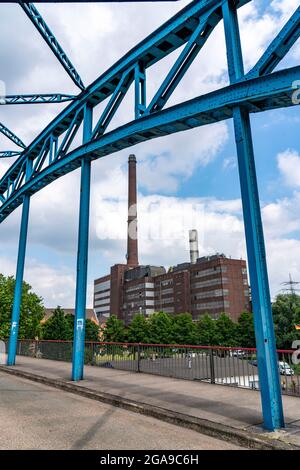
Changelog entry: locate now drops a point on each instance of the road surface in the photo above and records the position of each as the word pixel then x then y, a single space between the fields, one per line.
pixel 35 416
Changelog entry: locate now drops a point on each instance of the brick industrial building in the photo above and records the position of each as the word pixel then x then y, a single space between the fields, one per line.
pixel 210 284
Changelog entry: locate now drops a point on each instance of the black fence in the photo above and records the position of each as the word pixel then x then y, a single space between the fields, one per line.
pixel 235 367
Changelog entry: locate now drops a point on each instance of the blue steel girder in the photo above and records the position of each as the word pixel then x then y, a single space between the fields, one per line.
pixel 260 94
pixel 38 98
pixel 11 136
pixel 9 153
pixel 38 21
pixel 139 89
pixel 113 104
pixel 278 48
pixel 269 382
pixel 167 38
pixel 206 25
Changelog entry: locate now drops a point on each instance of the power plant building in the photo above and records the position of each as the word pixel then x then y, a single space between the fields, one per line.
pixel 209 284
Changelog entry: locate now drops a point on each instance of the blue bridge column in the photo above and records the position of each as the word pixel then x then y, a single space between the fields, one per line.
pixel 264 328
pixel 82 255
pixel 15 318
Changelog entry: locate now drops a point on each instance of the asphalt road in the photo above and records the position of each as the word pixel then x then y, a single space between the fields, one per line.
pixel 35 416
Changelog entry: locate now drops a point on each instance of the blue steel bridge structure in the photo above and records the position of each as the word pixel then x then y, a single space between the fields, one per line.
pixel 50 155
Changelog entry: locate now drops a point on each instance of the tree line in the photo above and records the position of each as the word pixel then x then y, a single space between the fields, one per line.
pixel 32 313
pixel 159 328
pixel 162 328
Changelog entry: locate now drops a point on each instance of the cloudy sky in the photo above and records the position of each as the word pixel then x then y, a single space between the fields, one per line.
pixel 188 180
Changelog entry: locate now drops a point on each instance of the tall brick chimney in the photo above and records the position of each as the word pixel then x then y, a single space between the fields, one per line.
pixel 132 242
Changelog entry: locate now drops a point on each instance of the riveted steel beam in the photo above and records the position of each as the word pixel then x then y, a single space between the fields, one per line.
pixel 278 48
pixel 42 27
pixel 9 154
pixel 38 99
pixel 11 136
pixel 269 92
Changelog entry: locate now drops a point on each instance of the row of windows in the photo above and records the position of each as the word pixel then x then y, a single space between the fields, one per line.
pixel 212 305
pixel 211 293
pixel 139 303
pixel 103 286
pixel 169 310
pixel 208 272
pixel 144 311
pixel 102 310
pixel 102 302
pixel 164 291
pixel 102 295
pixel 167 300
pixel 144 285
pixel 167 282
pixel 141 294
pixel 209 283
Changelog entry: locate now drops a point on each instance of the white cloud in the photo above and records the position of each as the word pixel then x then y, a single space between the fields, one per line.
pixel 229 163
pixel 163 224
pixel 55 286
pixel 282 216
pixel 165 163
pixel 285 7
pixel 283 259
pixel 289 166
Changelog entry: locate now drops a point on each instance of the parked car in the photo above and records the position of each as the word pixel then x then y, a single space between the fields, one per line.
pixel 285 368
pixel 253 362
pixel 237 353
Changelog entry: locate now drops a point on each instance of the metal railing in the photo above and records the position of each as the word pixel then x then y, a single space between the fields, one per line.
pixel 235 367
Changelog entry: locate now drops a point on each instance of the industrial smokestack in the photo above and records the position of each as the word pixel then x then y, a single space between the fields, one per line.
pixel 132 243
pixel 194 251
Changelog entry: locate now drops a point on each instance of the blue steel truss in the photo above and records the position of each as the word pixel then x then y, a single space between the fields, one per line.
pixel 38 98
pixel 9 153
pixel 38 21
pixel 11 136
pixel 54 153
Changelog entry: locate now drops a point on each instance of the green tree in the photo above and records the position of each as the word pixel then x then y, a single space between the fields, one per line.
pixel 57 326
pixel 69 318
pixel 227 330
pixel 31 311
pixel 138 330
pixel 114 330
pixel 286 314
pixel 207 331
pixel 184 330
pixel 245 330
pixel 160 328
pixel 91 331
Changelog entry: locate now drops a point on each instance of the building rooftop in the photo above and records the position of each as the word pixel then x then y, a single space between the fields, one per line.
pixel 90 314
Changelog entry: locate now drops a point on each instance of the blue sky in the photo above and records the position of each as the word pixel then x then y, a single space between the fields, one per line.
pixel 189 180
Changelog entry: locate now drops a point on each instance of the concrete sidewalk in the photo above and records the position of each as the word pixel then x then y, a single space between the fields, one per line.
pixel 217 410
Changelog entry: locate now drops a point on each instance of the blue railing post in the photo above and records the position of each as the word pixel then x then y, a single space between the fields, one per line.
pixel 82 255
pixel 264 328
pixel 15 318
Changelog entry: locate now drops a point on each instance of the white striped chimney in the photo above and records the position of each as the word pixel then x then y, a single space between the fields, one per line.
pixel 194 251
